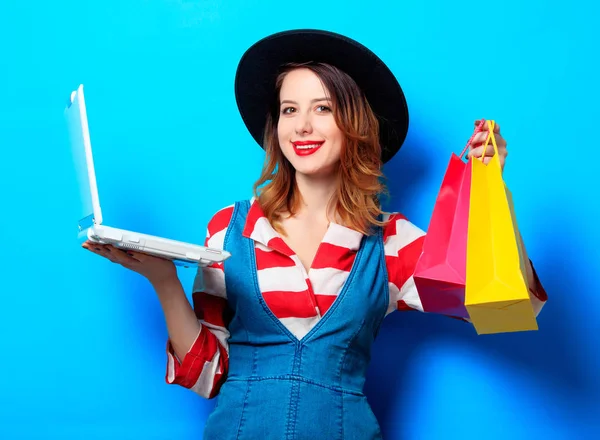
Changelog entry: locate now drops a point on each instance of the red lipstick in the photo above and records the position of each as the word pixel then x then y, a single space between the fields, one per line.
pixel 306 148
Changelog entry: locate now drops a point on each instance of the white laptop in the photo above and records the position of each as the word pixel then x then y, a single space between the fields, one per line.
pixel 90 220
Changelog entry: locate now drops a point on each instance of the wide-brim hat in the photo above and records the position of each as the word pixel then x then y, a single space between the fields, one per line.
pixel 261 63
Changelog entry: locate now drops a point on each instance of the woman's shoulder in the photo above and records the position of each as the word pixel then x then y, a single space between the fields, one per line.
pixel 220 220
pixel 399 230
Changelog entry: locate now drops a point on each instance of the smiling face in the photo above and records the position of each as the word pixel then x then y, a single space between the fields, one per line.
pixel 320 127
pixel 307 131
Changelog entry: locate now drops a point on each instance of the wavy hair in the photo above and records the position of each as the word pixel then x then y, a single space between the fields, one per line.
pixel 357 197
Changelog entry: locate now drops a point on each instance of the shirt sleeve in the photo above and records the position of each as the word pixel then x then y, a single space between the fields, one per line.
pixel 204 367
pixel 403 244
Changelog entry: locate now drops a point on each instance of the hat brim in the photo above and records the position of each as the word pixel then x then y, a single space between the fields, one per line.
pixel 261 63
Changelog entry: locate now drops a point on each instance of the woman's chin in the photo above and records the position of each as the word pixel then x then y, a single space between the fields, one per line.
pixel 313 166
pixel 315 171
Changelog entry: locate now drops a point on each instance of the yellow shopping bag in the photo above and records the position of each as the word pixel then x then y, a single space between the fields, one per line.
pixel 496 295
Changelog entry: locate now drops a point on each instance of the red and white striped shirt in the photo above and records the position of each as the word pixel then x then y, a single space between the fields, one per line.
pixel 297 297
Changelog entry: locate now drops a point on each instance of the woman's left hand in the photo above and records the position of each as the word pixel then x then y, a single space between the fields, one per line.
pixel 476 147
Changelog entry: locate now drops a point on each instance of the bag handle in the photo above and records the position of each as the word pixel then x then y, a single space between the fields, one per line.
pixel 477 130
pixel 491 125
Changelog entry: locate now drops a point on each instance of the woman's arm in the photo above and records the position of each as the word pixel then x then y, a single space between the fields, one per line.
pixel 182 323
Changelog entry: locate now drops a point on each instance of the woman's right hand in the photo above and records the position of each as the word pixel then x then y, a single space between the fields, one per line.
pixel 155 269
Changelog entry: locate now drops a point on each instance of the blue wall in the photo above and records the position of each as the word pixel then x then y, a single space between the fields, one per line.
pixel 82 351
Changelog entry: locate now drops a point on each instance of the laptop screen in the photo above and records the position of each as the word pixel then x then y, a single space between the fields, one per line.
pixel 81 149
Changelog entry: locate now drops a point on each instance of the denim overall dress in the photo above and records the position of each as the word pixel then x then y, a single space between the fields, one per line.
pixel 283 388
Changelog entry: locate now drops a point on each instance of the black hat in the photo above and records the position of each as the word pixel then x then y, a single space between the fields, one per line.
pixel 260 65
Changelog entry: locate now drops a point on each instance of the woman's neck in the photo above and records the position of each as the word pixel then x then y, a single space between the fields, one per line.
pixel 316 193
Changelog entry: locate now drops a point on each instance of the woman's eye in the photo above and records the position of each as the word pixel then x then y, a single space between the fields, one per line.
pixel 323 108
pixel 287 110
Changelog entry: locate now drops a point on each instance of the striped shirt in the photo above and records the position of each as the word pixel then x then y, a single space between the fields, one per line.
pixel 297 297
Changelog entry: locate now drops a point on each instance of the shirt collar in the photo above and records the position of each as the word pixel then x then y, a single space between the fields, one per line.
pixel 258 228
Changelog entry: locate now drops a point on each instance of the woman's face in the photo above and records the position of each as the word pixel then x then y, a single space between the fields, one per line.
pixel 308 134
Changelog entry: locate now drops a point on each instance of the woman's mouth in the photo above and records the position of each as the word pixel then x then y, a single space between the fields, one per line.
pixel 306 148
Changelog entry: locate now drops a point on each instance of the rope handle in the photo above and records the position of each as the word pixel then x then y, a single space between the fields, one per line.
pixel 478 129
pixel 491 125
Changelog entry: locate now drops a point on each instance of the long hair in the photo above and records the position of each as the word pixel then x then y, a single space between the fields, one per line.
pixel 359 172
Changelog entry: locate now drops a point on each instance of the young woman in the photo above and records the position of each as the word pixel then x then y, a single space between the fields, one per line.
pixel 282 330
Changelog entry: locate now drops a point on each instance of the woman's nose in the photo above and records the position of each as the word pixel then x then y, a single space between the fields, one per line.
pixel 303 124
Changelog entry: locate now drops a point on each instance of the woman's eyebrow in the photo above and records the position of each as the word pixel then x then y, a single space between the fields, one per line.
pixel 288 101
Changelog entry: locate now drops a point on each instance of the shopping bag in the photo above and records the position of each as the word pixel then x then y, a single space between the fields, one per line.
pixel 496 295
pixel 440 273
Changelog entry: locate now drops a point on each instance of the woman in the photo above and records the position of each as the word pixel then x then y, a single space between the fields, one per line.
pixel 282 330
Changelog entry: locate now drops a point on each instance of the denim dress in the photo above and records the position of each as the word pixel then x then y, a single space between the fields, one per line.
pixel 284 388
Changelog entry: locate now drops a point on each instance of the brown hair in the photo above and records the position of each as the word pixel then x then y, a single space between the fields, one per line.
pixel 357 196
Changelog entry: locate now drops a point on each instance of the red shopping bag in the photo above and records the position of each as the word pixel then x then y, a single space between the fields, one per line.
pixel 440 273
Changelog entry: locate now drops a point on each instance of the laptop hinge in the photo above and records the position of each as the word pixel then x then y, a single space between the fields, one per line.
pixel 86 222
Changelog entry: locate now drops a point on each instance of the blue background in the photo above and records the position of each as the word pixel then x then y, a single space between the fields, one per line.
pixel 82 351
